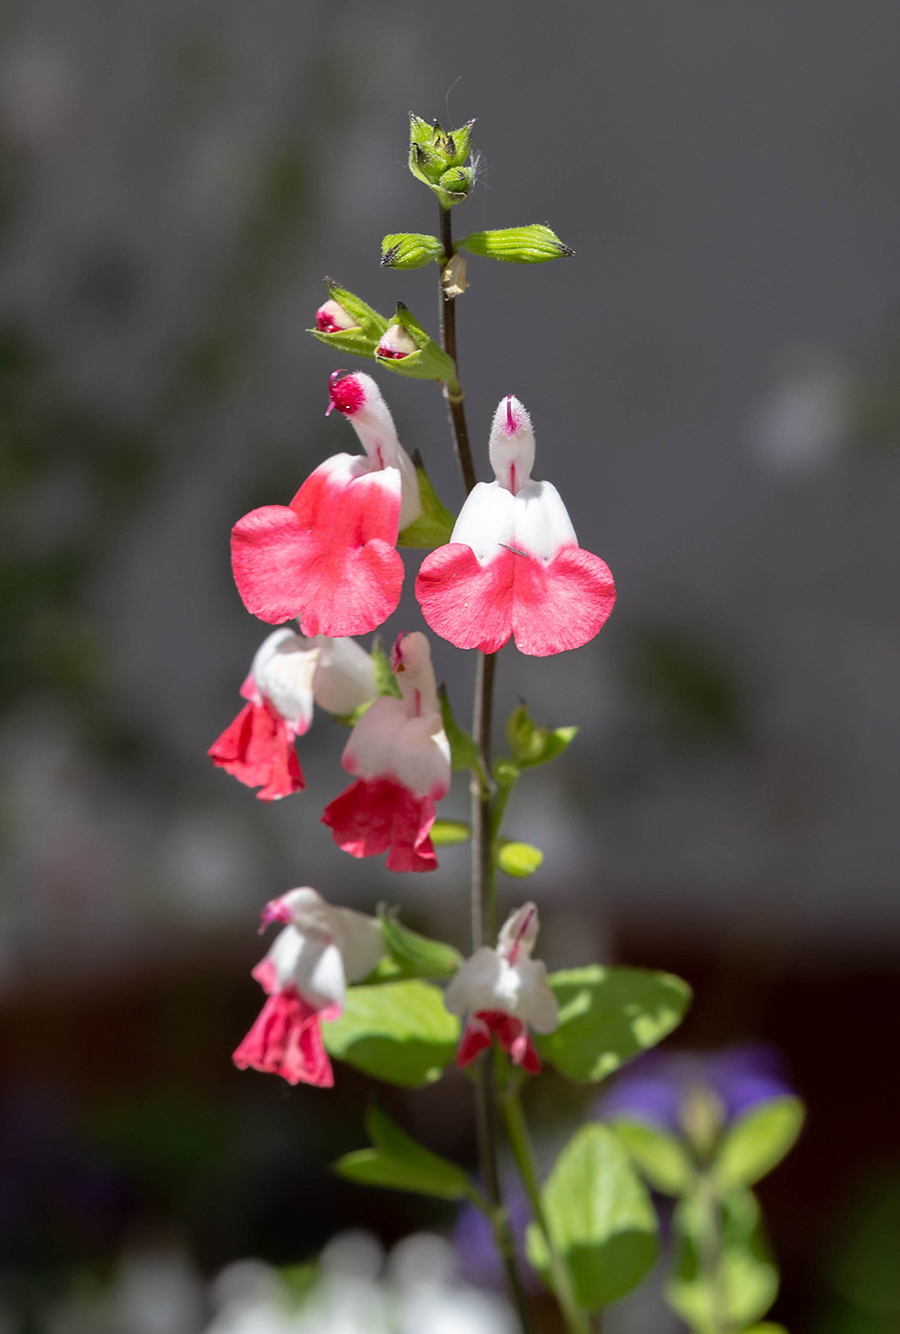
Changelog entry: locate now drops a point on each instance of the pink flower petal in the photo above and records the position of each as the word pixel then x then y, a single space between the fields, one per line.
pixel 329 557
pixel 549 607
pixel 369 818
pixel 286 1040
pixel 258 749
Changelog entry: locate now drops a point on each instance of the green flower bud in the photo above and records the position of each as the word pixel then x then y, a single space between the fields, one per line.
pixel 517 245
pixel 436 157
pixel 409 250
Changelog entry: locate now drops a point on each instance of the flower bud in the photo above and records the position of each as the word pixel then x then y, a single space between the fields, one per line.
pixel 409 250
pixel 517 245
pixel 436 157
pixel 332 317
pixel 395 343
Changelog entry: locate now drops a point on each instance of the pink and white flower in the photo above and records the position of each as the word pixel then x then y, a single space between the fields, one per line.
pixel 330 556
pixel 400 752
pixel 331 317
pixel 505 993
pixel 289 674
pixel 305 976
pixel 513 565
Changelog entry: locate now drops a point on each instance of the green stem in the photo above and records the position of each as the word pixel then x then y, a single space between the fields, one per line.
pixel 483 893
pixel 710 1248
pixel 578 1321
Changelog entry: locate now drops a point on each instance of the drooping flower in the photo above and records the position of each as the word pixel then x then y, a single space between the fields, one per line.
pixel 400 754
pixel 330 556
pixel 305 976
pixel 289 674
pixel 513 565
pixel 505 993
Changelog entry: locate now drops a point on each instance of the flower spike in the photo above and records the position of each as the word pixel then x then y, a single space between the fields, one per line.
pixel 513 565
pixel 400 754
pixel 330 556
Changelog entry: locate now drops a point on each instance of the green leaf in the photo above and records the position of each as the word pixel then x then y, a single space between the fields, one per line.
pixel 397 1031
pixel 531 744
pixel 434 526
pixel 756 1141
pixel 430 362
pixel 609 1015
pixel 399 1163
pixel 518 859
pixel 446 832
pixel 463 751
pixel 767 1327
pixel 517 245
pixel 385 680
pixel 415 955
pixel 409 250
pixel 600 1218
pixel 745 1280
pixel 505 773
pixel 659 1155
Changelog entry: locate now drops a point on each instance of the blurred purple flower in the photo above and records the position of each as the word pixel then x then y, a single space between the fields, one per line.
pixel 473 1238
pixel 656 1087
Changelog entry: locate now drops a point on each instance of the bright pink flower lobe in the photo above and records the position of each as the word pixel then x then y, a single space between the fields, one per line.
pixel 511 1034
pixel 384 816
pixel 286 1040
pixel 258 749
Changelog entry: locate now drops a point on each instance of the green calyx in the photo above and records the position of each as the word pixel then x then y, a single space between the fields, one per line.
pixel 427 362
pixel 362 337
pixel 434 526
pixel 437 157
pixel 517 245
pixel 409 250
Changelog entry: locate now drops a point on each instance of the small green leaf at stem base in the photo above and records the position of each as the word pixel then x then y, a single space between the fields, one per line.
pixel 398 1162
pixel 757 1141
pixel 434 526
pixel 396 1031
pixel 659 1156
pixel 518 859
pixel 463 751
pixel 412 955
pixel 444 833
pixel 599 1216
pixel 609 1015
pixel 739 1282
pixel 534 244
pixel 531 744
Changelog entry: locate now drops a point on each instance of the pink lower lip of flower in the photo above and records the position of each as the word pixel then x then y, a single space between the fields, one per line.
pixel 286 1040
pixel 511 1033
pixel 258 750
pixel 369 818
pixel 329 557
pixel 549 607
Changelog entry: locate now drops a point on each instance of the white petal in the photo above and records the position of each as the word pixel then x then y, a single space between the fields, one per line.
pixel 374 425
pixel 512 444
pixel 283 671
pixel 344 675
pixel 319 973
pixel 359 937
pixel 518 933
pixel 411 663
pixel 486 521
pixel 308 910
pixel 283 954
pixel 475 985
pixel 542 523
pixel 385 743
pixel 537 1004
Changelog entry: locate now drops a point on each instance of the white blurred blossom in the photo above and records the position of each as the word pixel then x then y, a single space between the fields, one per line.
pixel 803 420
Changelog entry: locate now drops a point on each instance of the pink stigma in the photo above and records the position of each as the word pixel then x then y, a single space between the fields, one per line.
pixel 276 911
pixel 511 424
pixel 520 935
pixel 397 653
pixel 347 395
pixel 388 354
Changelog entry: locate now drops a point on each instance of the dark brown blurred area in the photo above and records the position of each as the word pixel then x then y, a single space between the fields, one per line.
pixel 715 385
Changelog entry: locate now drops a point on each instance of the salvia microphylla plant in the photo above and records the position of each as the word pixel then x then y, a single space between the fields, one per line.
pixel 344 985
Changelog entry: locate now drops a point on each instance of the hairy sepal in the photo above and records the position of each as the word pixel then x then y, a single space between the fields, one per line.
pixel 412 955
pixel 530 744
pixel 429 362
pixel 534 244
pixel 410 250
pixel 434 526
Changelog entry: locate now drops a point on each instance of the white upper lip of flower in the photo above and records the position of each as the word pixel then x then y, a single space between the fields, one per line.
pixel 293 672
pixel 322 947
